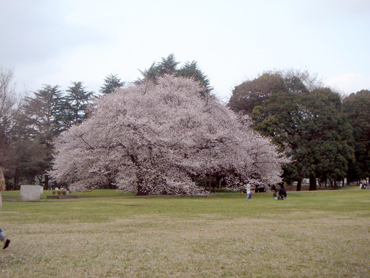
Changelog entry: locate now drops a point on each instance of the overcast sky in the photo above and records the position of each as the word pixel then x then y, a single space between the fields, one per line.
pixel 60 41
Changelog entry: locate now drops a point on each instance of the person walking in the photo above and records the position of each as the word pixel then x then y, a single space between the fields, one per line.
pixel 248 189
pixel 3 236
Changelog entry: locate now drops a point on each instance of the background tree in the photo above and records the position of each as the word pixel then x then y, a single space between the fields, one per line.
pixel 20 155
pixel 166 66
pixel 112 82
pixel 310 127
pixel 76 103
pixel 169 65
pixel 357 107
pixel 253 93
pixel 256 92
pixel 45 114
pixel 328 137
pixel 7 107
pixel 191 70
pixel 149 74
pixel 11 126
pixel 156 139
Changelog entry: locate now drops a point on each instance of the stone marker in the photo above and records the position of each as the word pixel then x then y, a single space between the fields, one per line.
pixel 30 193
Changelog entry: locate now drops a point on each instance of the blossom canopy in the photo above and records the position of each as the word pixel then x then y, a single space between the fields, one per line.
pixel 156 138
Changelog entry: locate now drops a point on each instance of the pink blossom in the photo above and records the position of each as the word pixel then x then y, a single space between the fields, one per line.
pixel 156 138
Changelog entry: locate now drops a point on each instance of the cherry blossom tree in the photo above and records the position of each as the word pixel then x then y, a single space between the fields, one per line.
pixel 156 138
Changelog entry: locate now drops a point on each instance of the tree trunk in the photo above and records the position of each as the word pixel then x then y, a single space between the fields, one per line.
pixel 15 184
pixel 312 183
pixel 210 183
pixel 46 183
pixel 290 182
pixel 299 184
pixel 140 191
pixel 140 180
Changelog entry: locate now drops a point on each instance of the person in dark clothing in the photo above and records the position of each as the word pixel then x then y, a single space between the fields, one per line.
pixel 282 193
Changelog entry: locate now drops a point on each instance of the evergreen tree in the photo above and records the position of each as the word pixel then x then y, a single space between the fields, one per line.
pixel 148 74
pixel 76 104
pixel 112 82
pixel 45 112
pixel 169 66
pixel 44 115
pixel 191 70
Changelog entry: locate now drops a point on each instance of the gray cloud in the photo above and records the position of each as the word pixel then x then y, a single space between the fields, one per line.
pixel 37 30
pixel 59 41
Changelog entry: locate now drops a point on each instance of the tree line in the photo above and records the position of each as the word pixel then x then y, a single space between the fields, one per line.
pixel 28 126
pixel 327 136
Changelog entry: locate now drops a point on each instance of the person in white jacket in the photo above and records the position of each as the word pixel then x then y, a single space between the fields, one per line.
pixel 248 189
pixel 3 236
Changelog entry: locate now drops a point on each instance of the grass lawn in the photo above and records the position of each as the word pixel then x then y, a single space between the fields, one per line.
pixel 311 234
pixel 90 194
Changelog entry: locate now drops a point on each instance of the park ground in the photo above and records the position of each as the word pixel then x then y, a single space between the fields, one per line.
pixel 108 234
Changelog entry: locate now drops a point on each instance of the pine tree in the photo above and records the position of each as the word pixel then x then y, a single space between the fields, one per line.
pixel 76 104
pixel 112 82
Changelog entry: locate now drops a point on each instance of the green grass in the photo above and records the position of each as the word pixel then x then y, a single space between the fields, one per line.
pixel 311 234
pixel 90 194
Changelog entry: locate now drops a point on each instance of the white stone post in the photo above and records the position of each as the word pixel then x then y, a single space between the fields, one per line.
pixel 30 193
